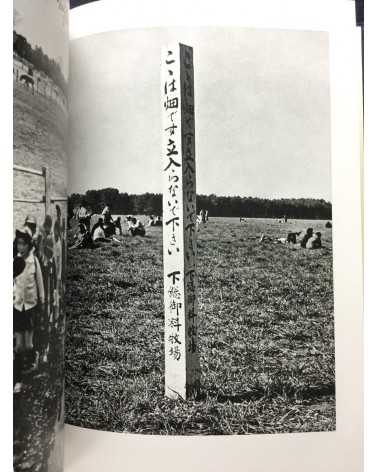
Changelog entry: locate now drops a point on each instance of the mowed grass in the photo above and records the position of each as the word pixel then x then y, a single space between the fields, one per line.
pixel 266 335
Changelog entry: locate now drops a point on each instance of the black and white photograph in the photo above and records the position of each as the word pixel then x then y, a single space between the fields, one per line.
pixel 200 264
pixel 40 75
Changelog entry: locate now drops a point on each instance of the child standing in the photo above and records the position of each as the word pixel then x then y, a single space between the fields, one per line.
pixel 28 299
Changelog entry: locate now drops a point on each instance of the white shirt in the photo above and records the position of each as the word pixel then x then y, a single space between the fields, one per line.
pixel 83 213
pixel 28 287
pixel 98 233
pixel 138 224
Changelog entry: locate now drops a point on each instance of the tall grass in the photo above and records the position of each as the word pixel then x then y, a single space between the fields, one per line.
pixel 266 335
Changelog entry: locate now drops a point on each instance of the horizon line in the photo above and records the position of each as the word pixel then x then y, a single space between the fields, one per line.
pixel 206 195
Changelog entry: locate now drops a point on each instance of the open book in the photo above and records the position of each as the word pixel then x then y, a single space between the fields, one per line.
pixel 187 243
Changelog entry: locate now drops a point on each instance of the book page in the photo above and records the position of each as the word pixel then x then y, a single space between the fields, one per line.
pixel 40 78
pixel 207 291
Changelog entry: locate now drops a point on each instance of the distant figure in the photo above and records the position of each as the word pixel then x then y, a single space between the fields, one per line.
pixel 306 237
pixel 264 238
pixel 285 218
pixel 292 237
pixel 151 221
pixel 83 239
pixel 109 226
pixel 242 220
pixel 136 228
pixel 315 242
pixel 107 216
pixel 328 224
pixel 128 219
pixel 99 232
pixel 84 216
pixel 118 224
pixel 158 221
pixel 200 220
pixel 206 215
pixel 100 222
pixel 202 216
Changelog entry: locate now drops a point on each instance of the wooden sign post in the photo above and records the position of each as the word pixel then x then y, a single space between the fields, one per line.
pixel 182 371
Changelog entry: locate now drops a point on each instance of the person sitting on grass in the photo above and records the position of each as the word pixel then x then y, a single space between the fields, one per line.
pixel 98 233
pixel 118 224
pixel 84 215
pixel 108 226
pixel 28 300
pixel 292 237
pixel 315 242
pixel 100 222
pixel 151 221
pixel 83 239
pixel 107 216
pixel 136 228
pixel 128 219
pixel 306 237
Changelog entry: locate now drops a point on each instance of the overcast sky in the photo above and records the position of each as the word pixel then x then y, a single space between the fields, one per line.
pixel 44 23
pixel 262 111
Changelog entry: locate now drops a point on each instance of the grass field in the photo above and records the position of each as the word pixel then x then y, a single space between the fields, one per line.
pixel 38 436
pixel 266 335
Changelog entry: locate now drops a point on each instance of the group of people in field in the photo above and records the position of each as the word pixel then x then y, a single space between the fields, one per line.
pixel 106 227
pixel 38 268
pixel 305 239
pixel 155 221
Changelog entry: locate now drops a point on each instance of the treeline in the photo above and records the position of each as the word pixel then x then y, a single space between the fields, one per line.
pixel 120 203
pixel 253 207
pixel 39 59
pixel 234 206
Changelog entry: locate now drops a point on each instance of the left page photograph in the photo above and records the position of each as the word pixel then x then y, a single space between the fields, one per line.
pixel 40 75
